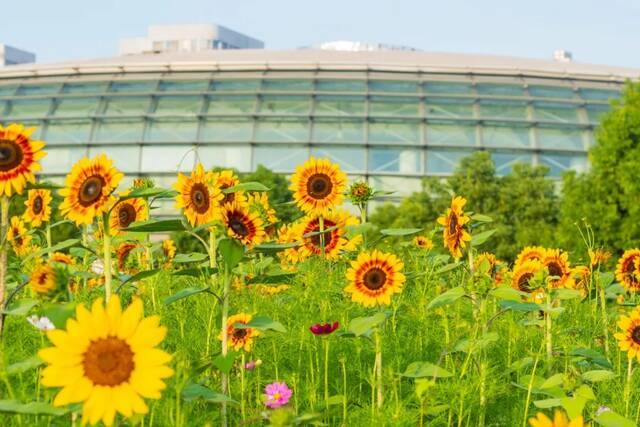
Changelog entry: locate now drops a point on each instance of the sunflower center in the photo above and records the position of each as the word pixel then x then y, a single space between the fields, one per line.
pixel 38 205
pixel 239 333
pixel 108 361
pixel 374 279
pixel 453 223
pixel 635 335
pixel 126 215
pixel 42 278
pixel 200 197
pixel 319 186
pixel 228 197
pixel 11 155
pixel 238 226
pixel 630 270
pixel 91 190
pixel 523 282
pixel 328 235
pixel 555 269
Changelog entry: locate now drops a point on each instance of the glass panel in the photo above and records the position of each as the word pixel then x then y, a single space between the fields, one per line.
pixel 225 156
pixel 560 138
pixel 280 158
pixel 287 85
pixel 119 130
pixel 168 158
pixel 125 157
pixel 172 130
pixel 562 113
pixel 340 105
pixel 595 112
pixel 394 106
pixel 441 161
pixel 141 86
pixel 393 86
pixel 226 130
pixel 505 136
pixel 236 85
pixel 76 107
pixel 61 159
pixel 449 107
pixel 504 161
pixel 551 92
pixel 394 160
pixel 68 132
pixel 285 105
pixel 338 131
pixel 341 86
pixel 29 108
pixel 93 87
pixel 231 104
pixel 3 107
pixel 448 87
pixel 401 186
pixel 123 105
pixel 282 130
pixel 7 90
pixel 559 163
pixel 184 85
pixel 499 89
pixel 598 94
pixel 440 134
pixel 39 89
pixel 179 105
pixel 503 109
pixel 350 159
pixel 402 132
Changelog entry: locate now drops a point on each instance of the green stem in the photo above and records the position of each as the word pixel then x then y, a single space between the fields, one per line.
pixel 213 248
pixel 378 369
pixel 48 232
pixel 326 372
pixel 321 225
pixel 605 321
pixel 107 257
pixel 4 223
pixel 242 405
pixel 344 391
pixel 225 316
pixel 627 387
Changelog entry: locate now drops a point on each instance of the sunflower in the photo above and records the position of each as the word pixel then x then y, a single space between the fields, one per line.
pixel 289 234
pixel 559 420
pixel 107 360
pixel 580 278
pixel 17 235
pixel 626 272
pixel 169 249
pixel 227 179
pixel 557 264
pixel 62 258
pixel 423 242
pixel 530 253
pixel 38 207
pixel 198 196
pixel 126 212
pixel 318 185
pixel 19 155
pixel 43 279
pixel 122 255
pixel 454 233
pixel 490 262
pixel 245 226
pixel 240 339
pixel 88 189
pixel 629 338
pixel 598 257
pixel 259 202
pixel 270 290
pixel 335 241
pixel 522 275
pixel 374 277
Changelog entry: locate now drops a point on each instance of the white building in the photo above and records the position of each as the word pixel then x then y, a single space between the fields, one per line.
pixel 13 56
pixel 187 38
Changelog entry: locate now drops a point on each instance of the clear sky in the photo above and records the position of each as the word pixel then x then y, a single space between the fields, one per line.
pixel 595 31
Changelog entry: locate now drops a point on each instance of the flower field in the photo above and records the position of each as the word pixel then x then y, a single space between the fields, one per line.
pixel 327 320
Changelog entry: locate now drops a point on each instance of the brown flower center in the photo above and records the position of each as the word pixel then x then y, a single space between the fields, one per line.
pixel 319 186
pixel 91 190
pixel 228 197
pixel 38 205
pixel 240 333
pixel 11 155
pixel 554 269
pixel 374 279
pixel 328 235
pixel 200 198
pixel 635 335
pixel 126 215
pixel 108 361
pixel 523 282
pixel 630 270
pixel 238 226
pixel 453 223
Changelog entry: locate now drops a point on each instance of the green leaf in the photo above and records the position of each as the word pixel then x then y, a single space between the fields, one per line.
pixel 31 408
pixel 364 325
pixel 159 226
pixel 25 365
pixel 55 248
pixel 553 381
pixel 446 298
pixel 425 369
pixel 338 399
pixel 481 218
pixel 471 346
pixel 194 391
pixel 59 313
pixel 146 193
pixel 612 419
pixel 246 186
pixel 574 405
pixel 598 375
pixel 192 257
pixel 566 294
pixel 274 247
pixel 196 272
pixel 508 293
pixel 183 293
pixel 592 356
pixel 141 275
pixel 225 363
pixel 605 279
pixel 447 267
pixel 400 231
pixel 435 410
pixel 262 323
pixel 519 306
pixel 547 403
pixel 231 252
pixel 480 238
pixel 271 278
pixel 21 307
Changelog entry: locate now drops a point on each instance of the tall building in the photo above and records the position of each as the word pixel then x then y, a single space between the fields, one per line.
pixel 187 38
pixel 13 56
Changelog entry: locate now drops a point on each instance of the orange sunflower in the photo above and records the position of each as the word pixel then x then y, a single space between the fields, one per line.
pixel 423 242
pixel 227 179
pixel 19 156
pixel 531 253
pixel 243 225
pixel 38 207
pixel 558 265
pixel 629 338
pixel 523 273
pixel 122 255
pixel 240 339
pixel 335 240
pixel 62 258
pixel 374 277
pixel 318 185
pixel 127 212
pixel 88 189
pixel 454 234
pixel 198 196
pixel 18 237
pixel 169 249
pixel 598 257
pixel 626 271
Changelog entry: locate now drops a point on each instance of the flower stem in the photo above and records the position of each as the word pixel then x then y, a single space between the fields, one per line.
pixel 326 372
pixel 605 321
pixel 4 222
pixel 378 369
pixel 321 225
pixel 107 257
pixel 548 339
pixel 242 405
pixel 48 233
pixel 627 387
pixel 213 248
pixel 225 315
pixel 344 390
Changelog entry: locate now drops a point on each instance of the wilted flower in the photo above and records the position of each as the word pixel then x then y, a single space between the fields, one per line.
pixel 252 364
pixel 43 323
pixel 324 328
pixel 143 183
pixel 598 256
pixel 360 193
pixel 277 394
pixel 423 242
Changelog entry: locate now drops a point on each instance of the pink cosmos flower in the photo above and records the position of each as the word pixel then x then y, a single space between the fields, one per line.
pixel 324 328
pixel 277 394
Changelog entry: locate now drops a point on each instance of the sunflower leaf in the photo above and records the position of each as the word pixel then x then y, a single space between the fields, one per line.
pixel 59 313
pixel 593 356
pixel 183 293
pixel 21 307
pixel 613 419
pixel 141 275
pixel 400 231
pixel 598 375
pixel 246 186
pixel 225 363
pixel 24 365
pixel 150 192
pixel 262 323
pixel 425 369
pixel 480 238
pixel 55 248
pixel 161 226
pixel 231 251
pixel 449 297
pixel 192 257
pixel 31 408
pixel 519 306
pixel 364 325
pixel 195 391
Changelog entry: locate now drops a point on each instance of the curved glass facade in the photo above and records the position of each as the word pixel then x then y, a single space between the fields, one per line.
pixel 391 127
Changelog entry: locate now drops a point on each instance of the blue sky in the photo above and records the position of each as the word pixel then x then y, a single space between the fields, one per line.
pixel 594 30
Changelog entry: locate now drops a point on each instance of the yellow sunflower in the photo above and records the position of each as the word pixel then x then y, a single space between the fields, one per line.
pixel 245 226
pixel 43 279
pixel 169 249
pixel 522 275
pixel 318 185
pixel 227 179
pixel 19 156
pixel 423 242
pixel 335 240
pixel 38 207
pixel 454 233
pixel 629 338
pixel 581 275
pixel 18 236
pixel 626 272
pixel 289 234
pixel 122 255
pixel 62 258
pixel 88 189
pixel 198 196
pixel 557 264
pixel 240 339
pixel 259 202
pixel 598 257
pixel 559 420
pixel 531 253
pixel 107 360
pixel 374 277
pixel 127 212
pixel 490 262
